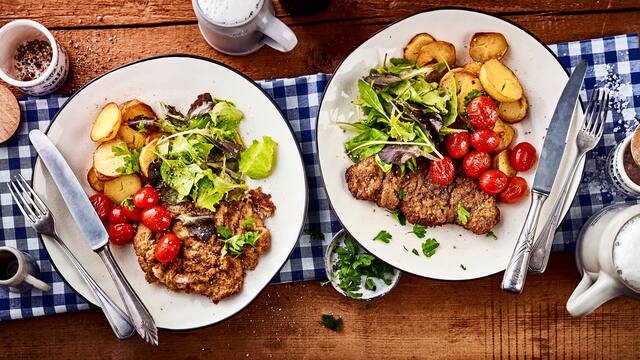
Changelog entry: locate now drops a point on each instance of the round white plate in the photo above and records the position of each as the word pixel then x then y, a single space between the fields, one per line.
pixel 175 80
pixel 543 79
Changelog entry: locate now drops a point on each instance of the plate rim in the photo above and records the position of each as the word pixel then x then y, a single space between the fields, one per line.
pixel 456 8
pixel 282 117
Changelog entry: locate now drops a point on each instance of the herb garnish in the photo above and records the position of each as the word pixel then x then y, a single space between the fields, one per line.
pixel 419 231
pixel 429 247
pixel 415 252
pixel 128 203
pixel 401 194
pixel 131 164
pixel 491 234
pixel 472 95
pixel 463 267
pixel 235 244
pixel 247 223
pixel 463 214
pixel 225 232
pixel 399 216
pixel 332 323
pixel 383 236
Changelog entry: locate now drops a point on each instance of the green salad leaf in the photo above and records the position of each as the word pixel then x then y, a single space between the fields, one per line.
pixel 258 160
pixel 370 98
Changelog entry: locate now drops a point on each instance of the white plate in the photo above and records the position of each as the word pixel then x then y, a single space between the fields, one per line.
pixel 543 79
pixel 175 80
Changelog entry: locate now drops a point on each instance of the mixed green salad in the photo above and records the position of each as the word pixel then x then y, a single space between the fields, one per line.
pixel 204 159
pixel 404 114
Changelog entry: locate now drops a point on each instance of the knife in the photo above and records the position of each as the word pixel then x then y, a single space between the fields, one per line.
pixel 552 151
pixel 93 231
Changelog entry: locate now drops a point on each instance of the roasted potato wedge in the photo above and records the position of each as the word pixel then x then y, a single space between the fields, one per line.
pixel 105 162
pixel 106 125
pixel 506 132
pixel 500 82
pixel 120 188
pixel 635 146
pixel 135 108
pixel 488 45
pixel 502 162
pixel 95 183
pixel 436 52
pixel 414 45
pixel 513 111
pixel 133 138
pixel 465 82
pixel 473 68
pixel 147 155
pixel 155 135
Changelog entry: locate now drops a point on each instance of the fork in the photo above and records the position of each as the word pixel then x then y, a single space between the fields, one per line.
pixel 588 137
pixel 39 217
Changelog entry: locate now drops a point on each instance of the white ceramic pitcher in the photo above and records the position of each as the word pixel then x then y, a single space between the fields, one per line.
pixel 606 273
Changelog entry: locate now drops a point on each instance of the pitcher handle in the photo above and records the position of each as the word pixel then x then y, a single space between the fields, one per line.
pixel 277 35
pixel 588 296
pixel 36 283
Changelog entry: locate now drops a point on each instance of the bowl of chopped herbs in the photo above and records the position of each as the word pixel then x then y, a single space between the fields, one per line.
pixel 355 273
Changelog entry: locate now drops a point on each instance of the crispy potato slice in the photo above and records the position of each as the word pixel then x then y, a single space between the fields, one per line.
pixel 502 162
pixel 155 135
pixel 465 82
pixel 514 111
pixel 473 68
pixel 136 108
pixel 106 125
pixel 488 45
pixel 147 155
pixel 506 132
pixel 105 161
pixel 500 82
pixel 95 183
pixel 435 52
pixel 414 45
pixel 134 139
pixel 120 188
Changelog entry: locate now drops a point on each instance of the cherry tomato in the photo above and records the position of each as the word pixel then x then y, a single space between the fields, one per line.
pixel 458 144
pixel 442 171
pixel 493 181
pixel 482 112
pixel 117 215
pixel 485 140
pixel 523 156
pixel 133 213
pixel 475 163
pixel 517 188
pixel 146 197
pixel 156 218
pixel 167 248
pixel 101 204
pixel 120 234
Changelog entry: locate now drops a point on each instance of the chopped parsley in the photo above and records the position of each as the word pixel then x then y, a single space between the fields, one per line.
pixel 442 207
pixel 401 194
pixel 315 234
pixel 415 252
pixel 383 236
pixel 472 95
pixel 463 214
pixel 128 203
pixel 332 323
pixel 399 216
pixel 429 247
pixel 235 244
pixel 225 232
pixel 131 164
pixel 419 231
pixel 462 267
pixel 369 284
pixel 247 223
pixel 491 234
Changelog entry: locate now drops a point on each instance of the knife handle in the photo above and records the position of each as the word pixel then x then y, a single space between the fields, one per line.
pixel 142 320
pixel 516 272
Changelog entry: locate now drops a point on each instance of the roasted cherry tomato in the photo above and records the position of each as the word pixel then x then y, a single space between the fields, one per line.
pixel 458 144
pixel 493 181
pixel 133 212
pixel 482 112
pixel 156 218
pixel 146 197
pixel 120 234
pixel 517 188
pixel 523 156
pixel 168 248
pixel 117 215
pixel 101 204
pixel 442 171
pixel 485 140
pixel 475 163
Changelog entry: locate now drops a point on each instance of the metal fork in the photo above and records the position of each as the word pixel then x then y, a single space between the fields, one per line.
pixel 39 217
pixel 588 137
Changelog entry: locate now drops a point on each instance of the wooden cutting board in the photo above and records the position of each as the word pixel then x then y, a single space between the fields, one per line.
pixel 9 114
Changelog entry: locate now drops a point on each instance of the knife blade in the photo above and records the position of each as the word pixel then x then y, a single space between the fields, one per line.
pixel 93 231
pixel 548 164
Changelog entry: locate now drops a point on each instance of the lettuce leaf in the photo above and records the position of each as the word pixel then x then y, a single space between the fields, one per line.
pixel 258 160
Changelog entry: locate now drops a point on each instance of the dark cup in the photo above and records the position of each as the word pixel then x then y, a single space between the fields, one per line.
pixel 18 271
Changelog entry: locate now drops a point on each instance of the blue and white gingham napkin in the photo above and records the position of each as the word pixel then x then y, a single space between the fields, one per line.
pixel 614 64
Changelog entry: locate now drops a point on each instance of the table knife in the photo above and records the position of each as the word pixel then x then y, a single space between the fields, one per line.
pixel 550 158
pixel 93 231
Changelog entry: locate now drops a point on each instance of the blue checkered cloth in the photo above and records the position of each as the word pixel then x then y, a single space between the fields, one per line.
pixel 614 64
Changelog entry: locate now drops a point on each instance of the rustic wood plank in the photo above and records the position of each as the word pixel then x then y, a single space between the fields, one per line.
pixel 104 13
pixel 420 318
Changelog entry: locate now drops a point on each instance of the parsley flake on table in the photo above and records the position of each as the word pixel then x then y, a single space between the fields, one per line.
pixel 491 234
pixel 332 323
pixel 399 216
pixel 315 234
pixel 429 247
pixel 419 231
pixel 383 236
pixel 463 214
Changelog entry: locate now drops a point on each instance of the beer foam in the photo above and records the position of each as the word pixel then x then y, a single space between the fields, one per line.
pixel 626 253
pixel 229 12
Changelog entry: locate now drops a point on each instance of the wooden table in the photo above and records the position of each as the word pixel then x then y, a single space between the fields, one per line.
pixel 420 318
